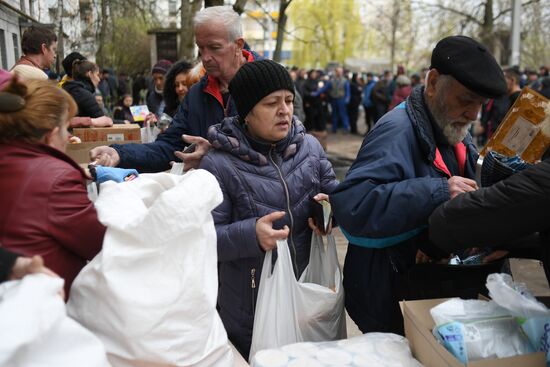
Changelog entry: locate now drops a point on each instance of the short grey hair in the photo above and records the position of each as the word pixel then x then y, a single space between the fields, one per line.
pixel 443 81
pixel 224 14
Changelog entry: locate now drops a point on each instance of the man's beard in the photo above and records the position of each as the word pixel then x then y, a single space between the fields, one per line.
pixel 454 130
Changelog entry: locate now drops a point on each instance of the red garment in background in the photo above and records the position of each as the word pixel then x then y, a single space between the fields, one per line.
pixel 400 95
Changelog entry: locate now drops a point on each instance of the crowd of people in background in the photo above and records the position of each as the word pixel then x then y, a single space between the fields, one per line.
pixel 333 96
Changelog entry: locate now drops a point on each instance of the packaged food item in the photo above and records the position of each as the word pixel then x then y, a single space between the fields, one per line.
pixel 525 130
pixel 371 349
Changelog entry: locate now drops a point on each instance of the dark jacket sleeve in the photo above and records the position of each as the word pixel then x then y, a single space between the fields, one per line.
pixel 87 104
pixel 328 177
pixel 382 202
pixel 497 215
pixel 236 239
pixel 156 156
pixel 73 221
pixel 7 260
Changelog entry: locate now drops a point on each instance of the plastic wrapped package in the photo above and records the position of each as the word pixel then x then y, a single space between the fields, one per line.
pixel 474 329
pixel 532 315
pixel 525 130
pixel 372 349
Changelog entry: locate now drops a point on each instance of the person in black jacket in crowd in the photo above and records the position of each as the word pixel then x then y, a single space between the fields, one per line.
pixel 154 98
pixel 122 112
pixel 356 90
pixel 509 213
pixel 82 88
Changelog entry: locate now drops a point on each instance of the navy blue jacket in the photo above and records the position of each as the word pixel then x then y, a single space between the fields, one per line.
pixel 257 179
pixel 201 108
pixel 393 186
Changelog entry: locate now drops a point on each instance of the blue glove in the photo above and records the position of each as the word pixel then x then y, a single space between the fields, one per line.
pixel 113 174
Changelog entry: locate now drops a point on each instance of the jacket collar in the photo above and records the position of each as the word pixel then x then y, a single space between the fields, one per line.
pixel 231 137
pixel 39 149
pixel 427 132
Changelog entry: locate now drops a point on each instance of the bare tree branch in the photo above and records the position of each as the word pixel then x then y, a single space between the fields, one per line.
pixel 510 9
pixel 458 12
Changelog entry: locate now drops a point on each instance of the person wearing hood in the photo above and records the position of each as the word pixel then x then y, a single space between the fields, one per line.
pixel 82 89
pixel 154 99
pixel 269 171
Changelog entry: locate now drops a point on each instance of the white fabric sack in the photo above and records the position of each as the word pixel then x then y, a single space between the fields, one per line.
pixel 290 311
pixel 150 294
pixel 36 331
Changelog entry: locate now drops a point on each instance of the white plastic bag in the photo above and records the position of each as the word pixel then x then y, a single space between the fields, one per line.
pixel 290 311
pixel 149 133
pixel 150 294
pixel 35 330
pixel 532 315
pixel 371 349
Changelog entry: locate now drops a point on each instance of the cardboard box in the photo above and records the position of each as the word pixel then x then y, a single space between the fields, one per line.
pixel 80 153
pixel 114 134
pixel 426 349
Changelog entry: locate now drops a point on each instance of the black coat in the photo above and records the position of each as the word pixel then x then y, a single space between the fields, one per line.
pixel 501 215
pixel 82 91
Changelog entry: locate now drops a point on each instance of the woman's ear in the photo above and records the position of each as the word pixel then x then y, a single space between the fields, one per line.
pixel 50 136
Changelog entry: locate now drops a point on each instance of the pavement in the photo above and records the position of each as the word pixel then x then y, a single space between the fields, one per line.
pixel 342 150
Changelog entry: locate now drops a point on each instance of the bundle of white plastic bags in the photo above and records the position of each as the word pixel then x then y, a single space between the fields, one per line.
pixel 310 309
pixel 371 349
pixel 35 330
pixel 150 294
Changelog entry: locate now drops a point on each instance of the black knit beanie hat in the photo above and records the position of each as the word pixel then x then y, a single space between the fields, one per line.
pixel 254 81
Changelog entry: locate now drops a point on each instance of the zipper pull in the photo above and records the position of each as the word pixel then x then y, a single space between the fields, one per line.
pixel 253 276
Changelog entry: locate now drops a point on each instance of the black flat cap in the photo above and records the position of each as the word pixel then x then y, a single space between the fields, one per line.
pixel 471 64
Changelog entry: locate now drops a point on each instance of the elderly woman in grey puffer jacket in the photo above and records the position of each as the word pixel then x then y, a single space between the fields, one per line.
pixel 269 170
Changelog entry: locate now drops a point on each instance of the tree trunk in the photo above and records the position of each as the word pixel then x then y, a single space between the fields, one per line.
pixel 281 24
pixel 394 26
pixel 187 34
pixel 239 6
pixel 102 33
pixel 486 35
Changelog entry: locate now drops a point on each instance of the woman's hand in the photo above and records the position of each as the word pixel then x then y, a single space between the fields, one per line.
pixel 265 234
pixel 151 119
pixel 35 265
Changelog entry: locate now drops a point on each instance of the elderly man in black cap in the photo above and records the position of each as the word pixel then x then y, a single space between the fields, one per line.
pixel 418 156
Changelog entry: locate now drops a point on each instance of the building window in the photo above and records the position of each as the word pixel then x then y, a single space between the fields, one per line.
pixel 3 50
pixel 167 46
pixel 15 46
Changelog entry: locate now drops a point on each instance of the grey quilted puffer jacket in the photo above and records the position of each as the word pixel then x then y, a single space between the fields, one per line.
pixel 258 178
